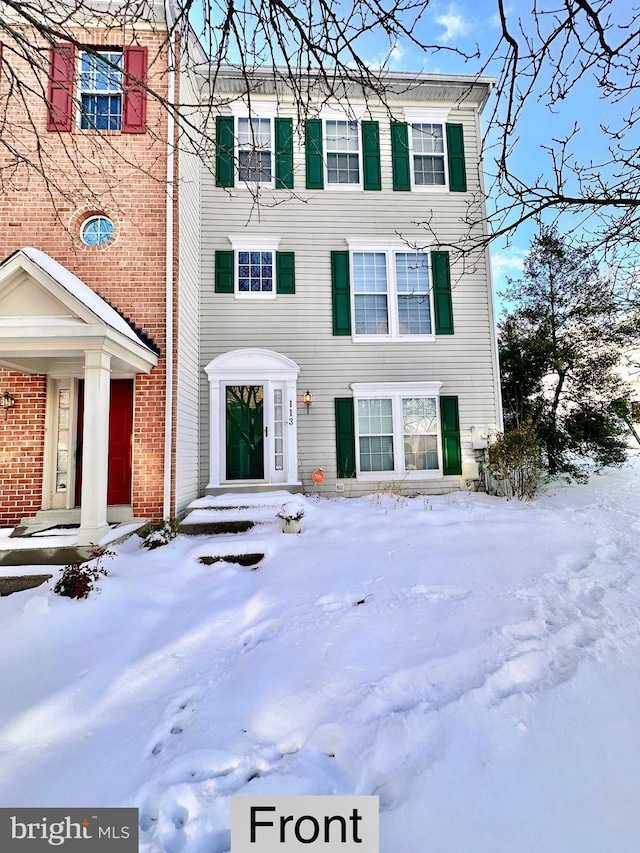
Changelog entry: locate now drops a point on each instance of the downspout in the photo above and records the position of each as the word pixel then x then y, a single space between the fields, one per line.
pixel 169 366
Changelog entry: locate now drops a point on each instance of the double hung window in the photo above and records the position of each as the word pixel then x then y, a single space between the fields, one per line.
pixel 342 139
pixel 101 90
pixel 255 150
pixel 391 293
pixel 427 142
pixel 397 429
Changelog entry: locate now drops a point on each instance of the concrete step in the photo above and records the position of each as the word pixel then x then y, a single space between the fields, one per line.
pixel 53 556
pixel 214 528
pixel 18 583
pixel 239 559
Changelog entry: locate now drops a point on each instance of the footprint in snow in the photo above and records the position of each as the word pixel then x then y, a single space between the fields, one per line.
pixel 330 603
pixel 607 551
pixel 434 593
pixel 174 721
pixel 259 633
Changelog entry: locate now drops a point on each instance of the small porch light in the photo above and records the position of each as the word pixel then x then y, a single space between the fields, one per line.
pixel 307 399
pixel 7 402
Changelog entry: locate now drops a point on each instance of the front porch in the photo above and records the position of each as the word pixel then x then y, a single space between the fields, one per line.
pixel 52 324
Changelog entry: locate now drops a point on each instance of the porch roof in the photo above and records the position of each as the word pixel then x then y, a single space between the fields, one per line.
pixel 49 318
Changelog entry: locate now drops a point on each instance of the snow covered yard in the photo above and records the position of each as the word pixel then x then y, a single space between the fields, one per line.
pixel 473 662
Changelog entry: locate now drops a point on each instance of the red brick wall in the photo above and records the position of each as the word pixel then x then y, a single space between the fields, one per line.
pixel 21 446
pixel 124 176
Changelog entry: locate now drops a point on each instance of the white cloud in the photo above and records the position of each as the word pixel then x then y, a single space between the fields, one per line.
pixel 455 25
pixel 508 263
pixel 389 59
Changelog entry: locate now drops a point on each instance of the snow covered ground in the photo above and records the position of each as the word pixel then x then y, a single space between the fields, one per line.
pixel 473 662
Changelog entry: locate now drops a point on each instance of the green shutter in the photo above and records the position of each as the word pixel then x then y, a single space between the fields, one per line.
pixel 345 438
pixel 341 299
pixel 313 154
pixel 285 272
pixel 224 151
pixel 455 155
pixel 400 156
pixel 371 155
pixel 450 426
pixel 284 153
pixel 224 272
pixel 442 293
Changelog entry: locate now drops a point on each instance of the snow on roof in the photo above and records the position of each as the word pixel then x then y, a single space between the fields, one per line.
pixel 83 293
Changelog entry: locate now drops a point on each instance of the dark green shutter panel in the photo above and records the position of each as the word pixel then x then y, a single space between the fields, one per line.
pixel 345 438
pixel 224 272
pixel 341 299
pixel 400 155
pixel 224 151
pixel 285 272
pixel 284 153
pixel 442 293
pixel 455 154
pixel 371 155
pixel 313 154
pixel 450 425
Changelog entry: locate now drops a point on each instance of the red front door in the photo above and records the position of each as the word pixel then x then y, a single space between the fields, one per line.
pixel 120 442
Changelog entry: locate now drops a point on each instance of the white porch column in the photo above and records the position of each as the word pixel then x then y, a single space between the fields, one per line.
pixel 95 451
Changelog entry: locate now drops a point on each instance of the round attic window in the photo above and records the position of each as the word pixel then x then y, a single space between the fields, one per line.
pixel 96 231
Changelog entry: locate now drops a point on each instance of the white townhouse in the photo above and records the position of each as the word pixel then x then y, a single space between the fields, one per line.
pixel 337 329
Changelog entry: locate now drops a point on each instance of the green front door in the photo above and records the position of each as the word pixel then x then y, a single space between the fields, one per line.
pixel 245 429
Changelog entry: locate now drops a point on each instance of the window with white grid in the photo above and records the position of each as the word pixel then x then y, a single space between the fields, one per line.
pixel 428 151
pixel 397 429
pixel 391 294
pixel 255 150
pixel 101 90
pixel 342 140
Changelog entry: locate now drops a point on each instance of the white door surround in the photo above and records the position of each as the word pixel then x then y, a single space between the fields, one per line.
pixel 278 376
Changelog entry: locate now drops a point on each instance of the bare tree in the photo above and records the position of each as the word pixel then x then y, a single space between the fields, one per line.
pixel 544 58
pixel 550 58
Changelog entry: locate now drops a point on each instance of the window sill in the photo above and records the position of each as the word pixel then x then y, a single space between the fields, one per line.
pixel 255 186
pixel 341 188
pixel 258 297
pixel 421 188
pixel 404 339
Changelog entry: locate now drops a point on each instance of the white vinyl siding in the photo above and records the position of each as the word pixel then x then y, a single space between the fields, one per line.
pixel 189 380
pixel 312 224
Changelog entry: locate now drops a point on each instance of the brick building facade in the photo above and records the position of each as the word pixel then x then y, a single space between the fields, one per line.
pixel 101 214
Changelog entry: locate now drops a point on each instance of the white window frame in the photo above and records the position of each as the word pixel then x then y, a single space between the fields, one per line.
pixel 336 114
pixel 390 250
pixel 254 244
pixel 428 116
pixel 256 109
pixel 396 392
pixel 97 92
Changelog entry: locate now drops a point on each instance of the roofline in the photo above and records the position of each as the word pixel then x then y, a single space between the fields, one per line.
pixel 478 85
